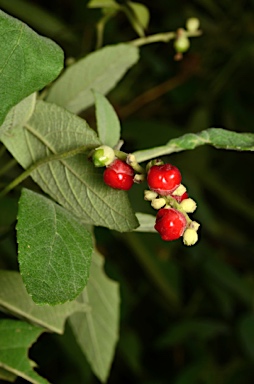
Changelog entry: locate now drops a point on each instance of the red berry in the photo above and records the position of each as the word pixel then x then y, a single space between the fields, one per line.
pixel 119 175
pixel 164 179
pixel 181 198
pixel 170 223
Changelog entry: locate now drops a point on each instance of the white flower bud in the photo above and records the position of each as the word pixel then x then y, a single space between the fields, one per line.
pixel 150 195
pixel 158 203
pixel 179 191
pixel 190 236
pixel 188 205
pixel 195 225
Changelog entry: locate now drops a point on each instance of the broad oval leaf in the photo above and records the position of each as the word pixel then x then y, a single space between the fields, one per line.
pixel 146 222
pixel 19 114
pixel 97 331
pixel 100 70
pixel 15 299
pixel 54 250
pixel 28 62
pixel 74 182
pixel 217 137
pixel 14 349
pixel 108 124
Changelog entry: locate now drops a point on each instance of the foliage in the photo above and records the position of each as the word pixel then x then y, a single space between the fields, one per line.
pixel 183 314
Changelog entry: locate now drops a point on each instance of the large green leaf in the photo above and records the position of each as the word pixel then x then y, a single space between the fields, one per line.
pixel 246 333
pixel 146 222
pixel 100 70
pixel 28 62
pixel 217 137
pixel 16 338
pixel 74 182
pixel 54 250
pixel 7 375
pixel 15 299
pixel 108 124
pixel 97 331
pixel 19 114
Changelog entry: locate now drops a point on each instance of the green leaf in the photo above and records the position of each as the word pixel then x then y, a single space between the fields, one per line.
pixel 100 71
pixel 97 331
pixel 246 332
pixel 19 114
pixel 7 376
pixel 217 137
pixel 103 4
pixel 201 329
pixel 52 26
pixel 54 250
pixel 227 277
pixel 146 222
pixel 74 182
pixel 16 337
pixel 28 62
pixel 138 15
pixel 108 124
pixel 15 299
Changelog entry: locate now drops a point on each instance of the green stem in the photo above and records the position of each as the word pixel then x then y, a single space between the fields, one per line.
pixel 33 167
pixel 8 166
pixel 162 37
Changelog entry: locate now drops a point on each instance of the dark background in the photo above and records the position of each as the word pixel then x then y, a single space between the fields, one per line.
pixel 186 313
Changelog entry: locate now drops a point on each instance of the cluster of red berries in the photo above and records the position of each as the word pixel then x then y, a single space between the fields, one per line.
pixel 166 193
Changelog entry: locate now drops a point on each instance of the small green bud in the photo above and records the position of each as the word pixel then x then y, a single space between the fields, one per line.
pixel 192 24
pixel 158 203
pixel 182 44
pixel 190 236
pixel 188 205
pixel 150 195
pixel 103 156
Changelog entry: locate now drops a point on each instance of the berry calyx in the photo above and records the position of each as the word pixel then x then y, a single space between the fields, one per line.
pixel 164 179
pixel 119 175
pixel 180 198
pixel 170 223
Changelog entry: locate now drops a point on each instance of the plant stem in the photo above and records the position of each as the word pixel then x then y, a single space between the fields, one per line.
pixel 33 167
pixel 8 166
pixel 162 37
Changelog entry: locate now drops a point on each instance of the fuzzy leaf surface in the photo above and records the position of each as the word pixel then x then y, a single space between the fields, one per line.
pixel 100 71
pixel 217 137
pixel 108 124
pixel 146 222
pixel 54 250
pixel 97 331
pixel 16 338
pixel 15 299
pixel 28 62
pixel 19 114
pixel 73 182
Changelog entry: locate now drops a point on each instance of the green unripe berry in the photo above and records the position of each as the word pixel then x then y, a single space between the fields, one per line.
pixel 181 44
pixel 192 24
pixel 103 156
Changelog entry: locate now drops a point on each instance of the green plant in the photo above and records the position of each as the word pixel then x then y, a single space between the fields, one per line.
pixel 61 270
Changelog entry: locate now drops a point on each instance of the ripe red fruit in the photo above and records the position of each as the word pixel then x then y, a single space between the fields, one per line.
pixel 119 175
pixel 170 223
pixel 164 179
